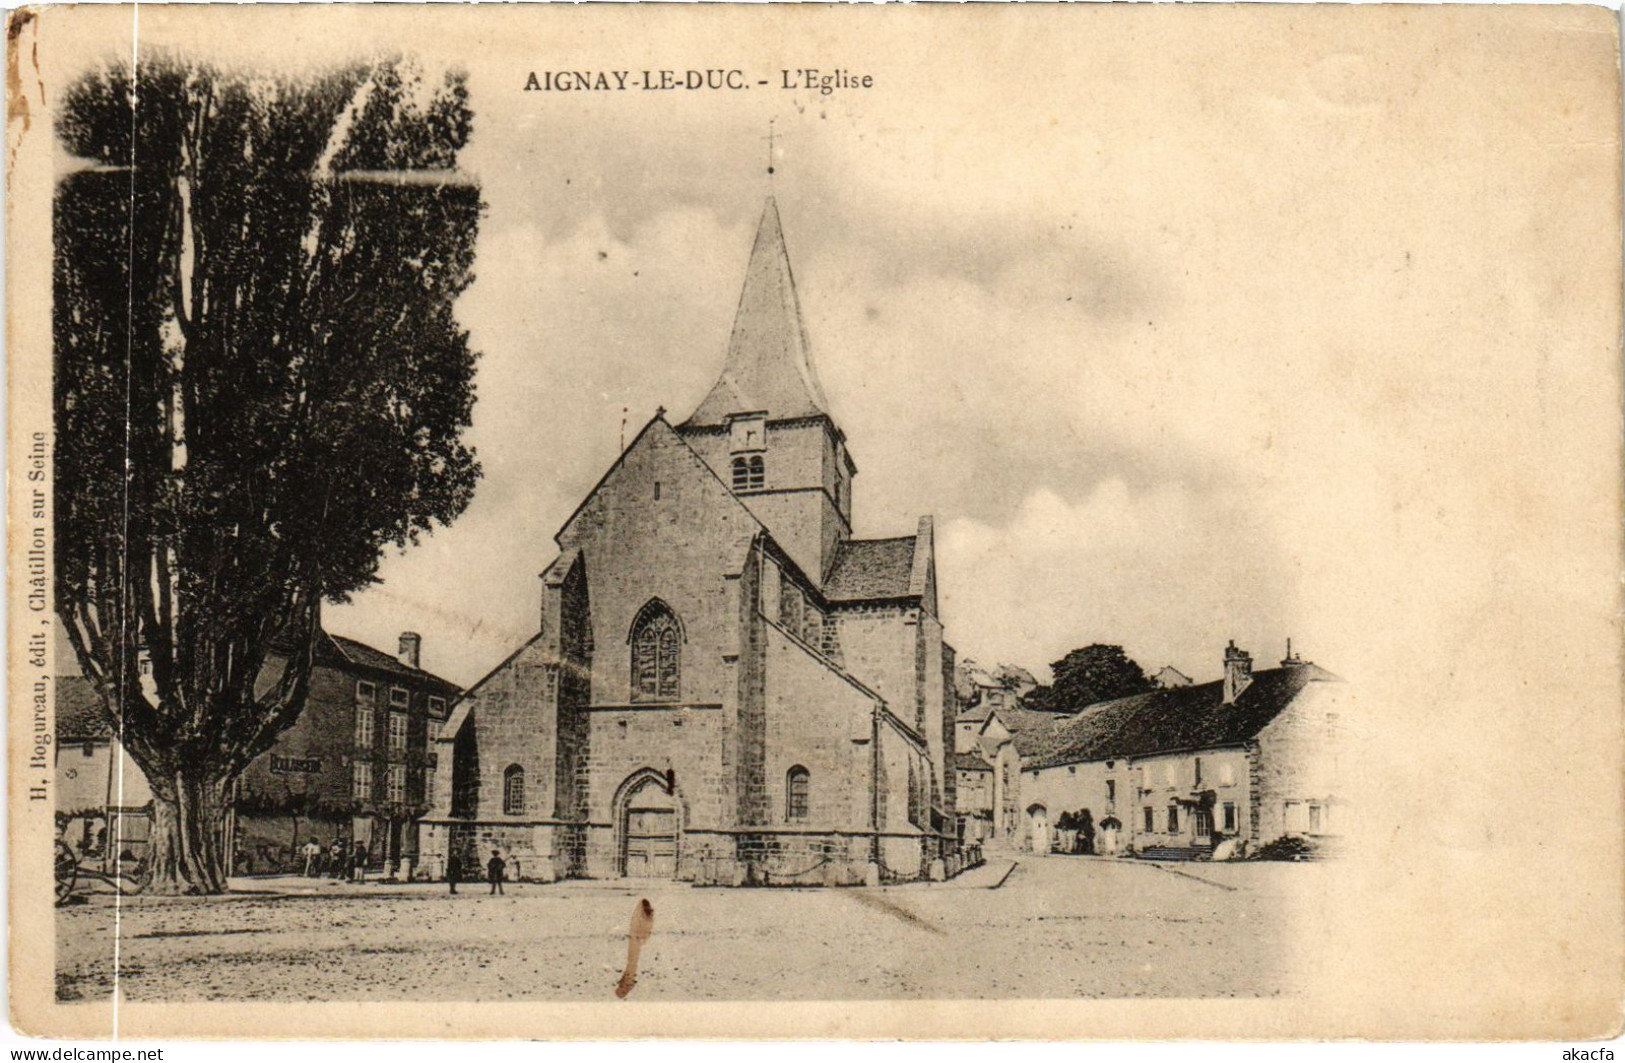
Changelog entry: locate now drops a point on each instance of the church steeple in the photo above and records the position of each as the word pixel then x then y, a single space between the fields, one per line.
pixel 769 365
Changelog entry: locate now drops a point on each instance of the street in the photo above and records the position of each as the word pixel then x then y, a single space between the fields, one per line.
pixel 1057 927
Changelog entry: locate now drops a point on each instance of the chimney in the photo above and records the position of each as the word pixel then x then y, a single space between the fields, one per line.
pixel 1238 672
pixel 1291 660
pixel 411 648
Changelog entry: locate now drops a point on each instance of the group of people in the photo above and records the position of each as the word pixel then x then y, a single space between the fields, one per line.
pixel 336 861
pixel 341 861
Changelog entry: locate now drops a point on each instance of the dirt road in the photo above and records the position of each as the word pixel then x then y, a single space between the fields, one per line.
pixel 1057 928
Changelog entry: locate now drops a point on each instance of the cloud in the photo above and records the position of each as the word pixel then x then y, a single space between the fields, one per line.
pixel 1168 572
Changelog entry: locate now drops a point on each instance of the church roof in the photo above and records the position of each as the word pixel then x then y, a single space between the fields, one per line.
pixel 769 363
pixel 1175 718
pixel 870 569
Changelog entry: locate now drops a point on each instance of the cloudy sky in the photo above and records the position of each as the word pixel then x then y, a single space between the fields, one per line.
pixel 1122 312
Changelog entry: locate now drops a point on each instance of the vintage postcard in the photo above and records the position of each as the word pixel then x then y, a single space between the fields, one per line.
pixel 764 521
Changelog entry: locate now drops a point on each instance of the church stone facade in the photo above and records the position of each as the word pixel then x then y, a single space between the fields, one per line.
pixel 726 686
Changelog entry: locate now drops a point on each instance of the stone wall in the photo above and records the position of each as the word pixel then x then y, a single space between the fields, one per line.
pixel 1299 760
pixel 819 721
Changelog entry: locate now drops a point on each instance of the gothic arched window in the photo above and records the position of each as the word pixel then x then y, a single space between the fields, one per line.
pixel 513 791
pixel 758 472
pixel 797 785
pixel 741 469
pixel 656 654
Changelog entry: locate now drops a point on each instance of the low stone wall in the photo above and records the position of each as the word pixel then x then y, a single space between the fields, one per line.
pixel 547 852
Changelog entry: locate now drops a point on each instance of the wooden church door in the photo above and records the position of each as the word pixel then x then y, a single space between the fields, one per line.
pixel 649 833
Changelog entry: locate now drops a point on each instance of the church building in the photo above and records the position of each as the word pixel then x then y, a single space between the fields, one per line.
pixel 726 686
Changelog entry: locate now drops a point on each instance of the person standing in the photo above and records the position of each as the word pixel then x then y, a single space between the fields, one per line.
pixel 494 869
pixel 335 859
pixel 311 851
pixel 454 871
pixel 358 866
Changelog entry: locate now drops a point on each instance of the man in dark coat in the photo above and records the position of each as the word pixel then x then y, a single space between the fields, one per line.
pixel 454 871
pixel 494 869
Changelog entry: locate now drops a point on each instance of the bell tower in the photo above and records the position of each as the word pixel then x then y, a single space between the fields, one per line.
pixel 765 427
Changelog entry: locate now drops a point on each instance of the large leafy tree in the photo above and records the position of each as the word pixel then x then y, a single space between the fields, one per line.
pixel 259 386
pixel 1084 676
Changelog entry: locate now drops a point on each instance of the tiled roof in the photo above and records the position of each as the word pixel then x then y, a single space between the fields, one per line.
pixel 975 714
pixel 870 569
pixel 79 713
pixel 336 651
pixel 1178 718
pixel 970 762
pixel 1029 728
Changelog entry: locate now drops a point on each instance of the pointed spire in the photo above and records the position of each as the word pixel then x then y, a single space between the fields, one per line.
pixel 769 363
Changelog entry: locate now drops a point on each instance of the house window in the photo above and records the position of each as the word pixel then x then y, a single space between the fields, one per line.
pixel 437 708
pixel 657 490
pixel 1227 774
pixel 364 691
pixel 1111 791
pixel 1229 815
pixel 361 781
pixel 398 698
pixel 1314 817
pixel 1293 813
pixel 397 731
pixel 396 780
pixel 741 473
pixel 757 478
pixel 1150 825
pixel 796 785
pixel 433 732
pixel 1169 774
pixel 1173 820
pixel 363 726
pixel 513 791
pixel 1145 778
pixel 656 653
pixel 1197 771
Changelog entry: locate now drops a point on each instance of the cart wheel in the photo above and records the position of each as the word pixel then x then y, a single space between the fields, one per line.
pixel 67 872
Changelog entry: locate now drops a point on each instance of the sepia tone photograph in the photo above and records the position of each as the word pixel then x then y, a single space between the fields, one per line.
pixel 752 522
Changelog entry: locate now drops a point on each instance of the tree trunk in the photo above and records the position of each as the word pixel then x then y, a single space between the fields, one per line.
pixel 187 848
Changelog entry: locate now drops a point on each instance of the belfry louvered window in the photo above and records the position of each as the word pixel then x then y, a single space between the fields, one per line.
pixel 749 474
pixel 656 654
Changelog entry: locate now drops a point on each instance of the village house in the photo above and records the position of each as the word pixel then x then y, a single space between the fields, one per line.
pixel 356 765
pixel 103 805
pixel 996 731
pixel 726 685
pixel 1176 772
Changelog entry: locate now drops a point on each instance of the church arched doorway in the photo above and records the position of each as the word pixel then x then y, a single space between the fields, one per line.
pixel 648 826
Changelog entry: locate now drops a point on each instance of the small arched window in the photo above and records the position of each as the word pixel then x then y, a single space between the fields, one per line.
pixel 513 791
pixel 741 471
pixel 797 785
pixel 758 473
pixel 657 644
